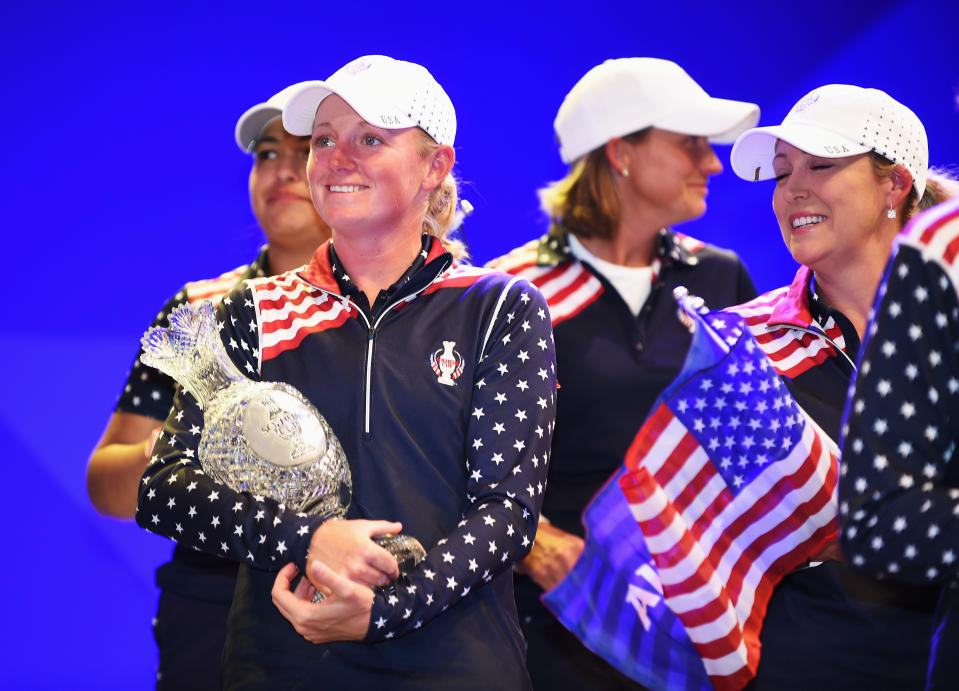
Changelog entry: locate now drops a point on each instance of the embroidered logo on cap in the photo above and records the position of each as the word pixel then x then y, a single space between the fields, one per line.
pixel 358 66
pixel 806 102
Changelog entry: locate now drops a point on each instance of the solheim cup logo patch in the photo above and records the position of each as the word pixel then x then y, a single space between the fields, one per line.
pixel 447 363
pixel 359 65
pixel 806 102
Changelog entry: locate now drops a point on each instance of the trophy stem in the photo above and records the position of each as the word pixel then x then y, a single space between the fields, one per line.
pixel 191 352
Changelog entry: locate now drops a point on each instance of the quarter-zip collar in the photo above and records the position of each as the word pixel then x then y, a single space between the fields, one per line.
pixel 319 271
pixel 793 309
pixel 554 249
pixel 802 309
pixel 327 272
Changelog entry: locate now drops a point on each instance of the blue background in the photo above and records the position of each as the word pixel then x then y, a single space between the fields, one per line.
pixel 121 181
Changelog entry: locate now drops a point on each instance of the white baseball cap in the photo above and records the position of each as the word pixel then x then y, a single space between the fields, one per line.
pixel 387 93
pixel 835 121
pixel 250 126
pixel 626 95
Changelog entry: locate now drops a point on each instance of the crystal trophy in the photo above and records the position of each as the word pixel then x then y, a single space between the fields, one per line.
pixel 260 437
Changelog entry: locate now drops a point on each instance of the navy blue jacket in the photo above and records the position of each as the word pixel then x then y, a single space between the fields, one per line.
pixel 899 488
pixel 462 466
pixel 149 392
pixel 612 366
pixel 828 627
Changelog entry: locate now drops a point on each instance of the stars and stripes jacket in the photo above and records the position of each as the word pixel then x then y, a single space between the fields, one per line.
pixel 813 347
pixel 613 364
pixel 861 633
pixel 462 465
pixel 899 484
pixel 150 392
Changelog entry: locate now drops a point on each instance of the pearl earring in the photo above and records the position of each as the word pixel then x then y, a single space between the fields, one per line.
pixel 624 172
pixel 891 213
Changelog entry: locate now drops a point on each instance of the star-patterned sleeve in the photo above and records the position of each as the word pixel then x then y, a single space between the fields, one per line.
pixel 178 500
pixel 148 391
pixel 899 518
pixel 506 453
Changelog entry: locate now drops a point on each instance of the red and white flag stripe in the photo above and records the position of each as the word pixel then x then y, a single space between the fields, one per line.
pixel 213 288
pixel 720 553
pixel 290 310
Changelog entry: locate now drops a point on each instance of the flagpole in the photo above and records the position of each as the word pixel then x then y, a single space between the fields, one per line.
pixel 694 308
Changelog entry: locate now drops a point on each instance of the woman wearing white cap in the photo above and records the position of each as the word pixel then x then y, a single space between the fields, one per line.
pixel 850 166
pixel 438 380
pixel 196 589
pixel 636 133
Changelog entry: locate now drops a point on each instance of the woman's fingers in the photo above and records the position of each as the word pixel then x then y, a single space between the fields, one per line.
pixel 349 547
pixel 336 585
pixel 283 597
pixel 304 589
pixel 378 528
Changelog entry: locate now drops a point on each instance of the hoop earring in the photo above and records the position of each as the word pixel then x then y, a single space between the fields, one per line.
pixel 891 213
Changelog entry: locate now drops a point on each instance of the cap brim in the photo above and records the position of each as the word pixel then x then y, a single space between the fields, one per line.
pixel 718 119
pixel 300 110
pixel 251 124
pixel 301 107
pixel 753 153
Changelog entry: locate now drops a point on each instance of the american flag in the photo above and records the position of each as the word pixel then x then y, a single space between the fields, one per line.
pixel 613 602
pixel 732 486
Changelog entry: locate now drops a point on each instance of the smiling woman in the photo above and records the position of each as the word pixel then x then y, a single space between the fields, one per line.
pixel 372 184
pixel 850 166
pixel 833 212
pixel 437 378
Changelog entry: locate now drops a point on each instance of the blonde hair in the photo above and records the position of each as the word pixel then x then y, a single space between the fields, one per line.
pixel 441 207
pixel 941 185
pixel 585 202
